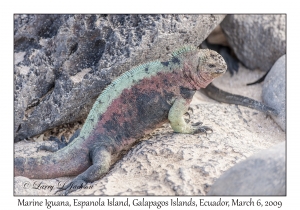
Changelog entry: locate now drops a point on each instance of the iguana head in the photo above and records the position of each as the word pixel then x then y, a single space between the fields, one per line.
pixel 210 65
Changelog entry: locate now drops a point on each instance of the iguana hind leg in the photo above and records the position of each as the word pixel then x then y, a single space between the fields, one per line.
pixel 179 125
pixel 101 159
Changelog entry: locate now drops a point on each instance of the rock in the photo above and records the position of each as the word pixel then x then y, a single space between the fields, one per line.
pixel 261 174
pixel 63 62
pixel 23 186
pixel 217 36
pixel 257 40
pixel 167 163
pixel 274 90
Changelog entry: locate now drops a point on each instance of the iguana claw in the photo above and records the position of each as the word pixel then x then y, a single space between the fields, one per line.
pixel 201 129
pixel 59 143
pixel 197 123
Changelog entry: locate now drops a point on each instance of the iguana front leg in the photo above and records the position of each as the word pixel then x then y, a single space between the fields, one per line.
pixel 175 116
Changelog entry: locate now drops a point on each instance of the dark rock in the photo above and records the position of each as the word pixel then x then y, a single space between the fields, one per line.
pixel 257 40
pixel 63 62
pixel 261 174
pixel 274 91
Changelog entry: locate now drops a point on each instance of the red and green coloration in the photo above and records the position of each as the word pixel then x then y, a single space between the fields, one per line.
pixel 136 103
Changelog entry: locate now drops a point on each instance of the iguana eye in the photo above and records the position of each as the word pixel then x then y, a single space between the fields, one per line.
pixel 211 65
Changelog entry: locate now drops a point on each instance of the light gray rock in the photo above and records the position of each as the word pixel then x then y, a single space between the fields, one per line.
pixel 274 91
pixel 63 62
pixel 261 174
pixel 257 40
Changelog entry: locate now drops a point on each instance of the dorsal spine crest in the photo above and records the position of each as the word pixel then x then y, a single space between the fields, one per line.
pixel 128 74
pixel 183 50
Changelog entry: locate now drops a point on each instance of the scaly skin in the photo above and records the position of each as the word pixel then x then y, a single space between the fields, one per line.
pixel 136 103
pixel 225 97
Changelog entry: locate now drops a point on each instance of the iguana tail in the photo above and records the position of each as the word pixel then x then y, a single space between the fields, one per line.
pixel 222 96
pixel 68 161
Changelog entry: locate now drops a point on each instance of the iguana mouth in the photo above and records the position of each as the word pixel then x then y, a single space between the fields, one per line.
pixel 211 76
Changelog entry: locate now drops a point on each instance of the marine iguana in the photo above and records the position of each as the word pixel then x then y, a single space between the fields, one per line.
pixel 133 105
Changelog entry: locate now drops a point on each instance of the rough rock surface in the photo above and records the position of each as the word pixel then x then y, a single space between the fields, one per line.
pixel 63 62
pixel 274 90
pixel 261 174
pixel 257 40
pixel 166 163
